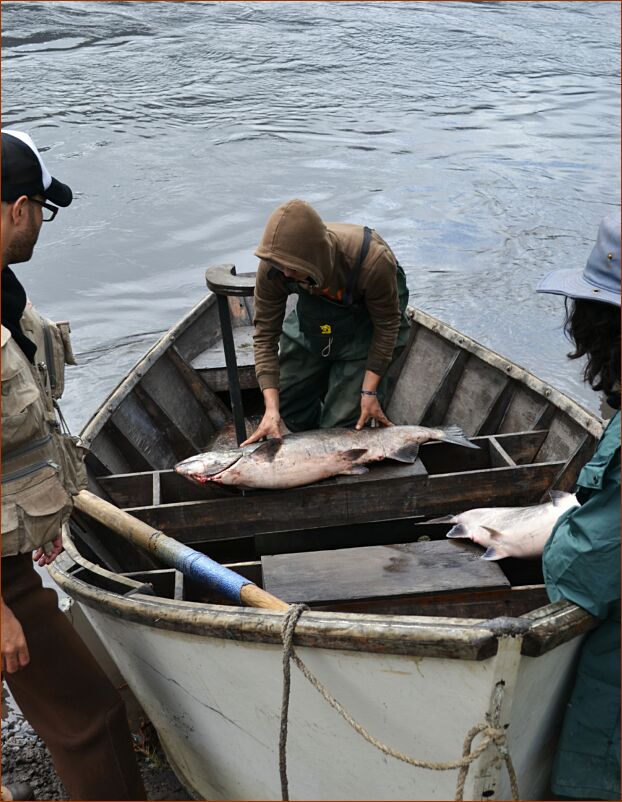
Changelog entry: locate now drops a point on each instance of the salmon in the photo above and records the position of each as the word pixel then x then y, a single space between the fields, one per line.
pixel 306 457
pixel 511 531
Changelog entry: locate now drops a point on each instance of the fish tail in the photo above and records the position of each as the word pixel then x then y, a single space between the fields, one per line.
pixel 454 434
pixel 459 530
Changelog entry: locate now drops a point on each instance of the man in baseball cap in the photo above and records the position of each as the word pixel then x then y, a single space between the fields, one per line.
pixel 60 689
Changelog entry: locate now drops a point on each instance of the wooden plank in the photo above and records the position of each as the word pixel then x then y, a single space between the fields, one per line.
pixel 216 379
pixel 401 494
pixel 214 356
pixel 523 410
pixel 475 396
pixel 563 438
pixel 132 421
pixel 498 410
pixel 179 444
pixel 134 458
pixel 522 447
pixel 156 485
pixel 466 604
pixel 422 372
pixel 250 569
pixel 239 312
pixel 137 489
pixel 379 572
pixel 163 580
pixel 499 457
pixel 567 477
pixel 375 533
pixel 200 334
pixel 395 370
pixel 436 410
pixel 106 453
pixel 216 410
pixel 171 393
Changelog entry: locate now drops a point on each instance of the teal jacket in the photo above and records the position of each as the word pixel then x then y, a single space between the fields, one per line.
pixel 581 563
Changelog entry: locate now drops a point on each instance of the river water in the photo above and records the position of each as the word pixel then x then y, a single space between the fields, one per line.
pixel 481 140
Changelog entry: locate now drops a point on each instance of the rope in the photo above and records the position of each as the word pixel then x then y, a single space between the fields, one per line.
pixel 490 734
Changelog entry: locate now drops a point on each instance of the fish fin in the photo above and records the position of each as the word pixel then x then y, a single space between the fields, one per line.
pixel 355 470
pixel 267 451
pixel 459 530
pixel 494 533
pixel 491 553
pixel 405 453
pixel 353 454
pixel 558 496
pixel 454 434
pixel 444 519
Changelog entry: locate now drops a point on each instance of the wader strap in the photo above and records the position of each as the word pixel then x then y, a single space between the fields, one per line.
pixel 354 274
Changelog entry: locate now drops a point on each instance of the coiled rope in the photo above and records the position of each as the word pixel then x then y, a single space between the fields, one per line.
pixel 490 734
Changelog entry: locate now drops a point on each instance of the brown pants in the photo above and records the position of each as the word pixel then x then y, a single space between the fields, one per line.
pixel 66 697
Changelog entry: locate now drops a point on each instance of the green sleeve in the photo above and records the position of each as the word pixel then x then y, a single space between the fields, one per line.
pixel 581 560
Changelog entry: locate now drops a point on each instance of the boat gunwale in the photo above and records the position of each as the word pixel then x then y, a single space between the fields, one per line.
pixel 422 636
pixel 586 419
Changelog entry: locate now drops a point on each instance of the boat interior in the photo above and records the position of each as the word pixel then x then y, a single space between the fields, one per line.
pixel 360 544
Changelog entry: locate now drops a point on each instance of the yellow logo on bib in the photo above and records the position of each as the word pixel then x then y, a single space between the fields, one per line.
pixel 325 328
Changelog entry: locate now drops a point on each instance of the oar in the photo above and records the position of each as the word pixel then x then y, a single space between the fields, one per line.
pixel 191 563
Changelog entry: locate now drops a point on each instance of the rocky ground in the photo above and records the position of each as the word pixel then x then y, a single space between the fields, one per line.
pixel 26 759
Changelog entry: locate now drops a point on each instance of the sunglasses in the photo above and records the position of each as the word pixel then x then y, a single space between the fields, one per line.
pixel 49 211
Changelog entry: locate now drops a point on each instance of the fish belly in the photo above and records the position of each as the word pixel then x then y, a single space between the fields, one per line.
pixel 255 475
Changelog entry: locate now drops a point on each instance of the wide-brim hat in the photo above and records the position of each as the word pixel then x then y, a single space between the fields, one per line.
pixel 600 279
pixel 24 173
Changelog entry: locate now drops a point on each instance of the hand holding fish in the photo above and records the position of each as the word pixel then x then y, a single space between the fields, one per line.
pixel 271 424
pixel 370 408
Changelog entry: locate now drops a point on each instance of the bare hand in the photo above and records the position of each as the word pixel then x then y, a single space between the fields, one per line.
pixel 370 408
pixel 14 647
pixel 270 426
pixel 45 555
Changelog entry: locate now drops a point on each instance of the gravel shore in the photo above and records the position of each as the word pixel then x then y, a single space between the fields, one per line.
pixel 26 759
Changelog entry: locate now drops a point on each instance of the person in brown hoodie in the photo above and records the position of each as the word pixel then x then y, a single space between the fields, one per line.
pixel 323 366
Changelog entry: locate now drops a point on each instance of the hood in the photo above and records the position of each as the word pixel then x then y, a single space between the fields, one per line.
pixel 296 237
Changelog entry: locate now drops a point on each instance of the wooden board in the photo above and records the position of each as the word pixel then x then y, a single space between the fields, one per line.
pixel 387 491
pixel 380 572
pixel 214 356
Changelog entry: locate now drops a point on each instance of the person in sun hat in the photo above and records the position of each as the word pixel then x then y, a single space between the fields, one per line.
pixel 581 559
pixel 325 365
pixel 55 680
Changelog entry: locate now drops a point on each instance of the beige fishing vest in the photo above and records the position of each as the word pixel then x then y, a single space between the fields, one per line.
pixel 42 466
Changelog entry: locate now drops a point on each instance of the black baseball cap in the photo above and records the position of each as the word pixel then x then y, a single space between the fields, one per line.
pixel 23 171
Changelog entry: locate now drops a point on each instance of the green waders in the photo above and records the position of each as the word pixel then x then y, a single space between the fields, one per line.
pixel 323 352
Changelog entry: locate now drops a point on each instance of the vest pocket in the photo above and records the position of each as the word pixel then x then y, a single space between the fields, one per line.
pixel 35 505
pixel 72 458
pixel 19 421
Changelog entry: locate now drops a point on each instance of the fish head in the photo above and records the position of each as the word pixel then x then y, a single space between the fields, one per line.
pixel 203 468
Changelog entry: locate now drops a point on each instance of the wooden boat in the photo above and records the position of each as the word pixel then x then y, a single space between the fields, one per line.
pixel 413 634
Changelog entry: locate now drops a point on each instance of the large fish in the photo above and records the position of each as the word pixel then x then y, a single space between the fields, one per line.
pixel 511 531
pixel 306 457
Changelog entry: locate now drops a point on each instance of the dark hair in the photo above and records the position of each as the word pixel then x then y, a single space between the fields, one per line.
pixel 594 329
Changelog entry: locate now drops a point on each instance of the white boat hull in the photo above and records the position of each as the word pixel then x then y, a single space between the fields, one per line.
pixel 216 706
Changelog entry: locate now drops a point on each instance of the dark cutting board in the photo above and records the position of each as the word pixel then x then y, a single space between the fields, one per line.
pixel 380 571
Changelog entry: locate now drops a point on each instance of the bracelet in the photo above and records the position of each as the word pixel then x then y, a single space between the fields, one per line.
pixel 368 392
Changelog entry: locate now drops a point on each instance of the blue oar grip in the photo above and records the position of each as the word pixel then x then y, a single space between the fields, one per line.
pixel 202 568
